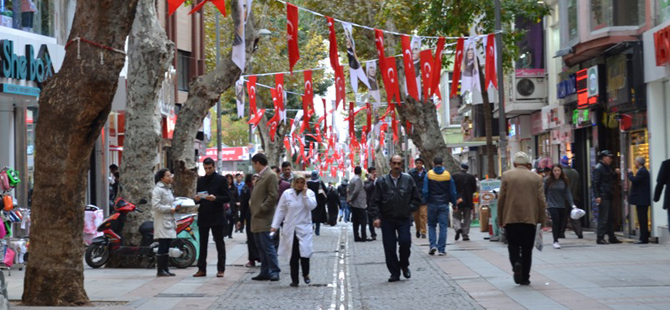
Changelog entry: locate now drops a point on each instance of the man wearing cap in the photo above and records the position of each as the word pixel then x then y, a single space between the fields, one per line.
pixel 420 215
pixel 521 206
pixel 602 185
pixel 575 186
pixel 466 186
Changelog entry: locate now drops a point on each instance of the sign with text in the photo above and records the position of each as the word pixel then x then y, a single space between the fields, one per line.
pixel 30 67
pixel 227 154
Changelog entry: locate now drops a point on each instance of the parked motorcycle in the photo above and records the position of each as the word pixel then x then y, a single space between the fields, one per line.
pixel 182 252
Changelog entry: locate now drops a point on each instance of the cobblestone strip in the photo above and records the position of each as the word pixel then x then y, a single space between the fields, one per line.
pixel 428 287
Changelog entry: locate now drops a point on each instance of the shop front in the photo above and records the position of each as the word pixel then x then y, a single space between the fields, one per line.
pixel 657 79
pixel 27 60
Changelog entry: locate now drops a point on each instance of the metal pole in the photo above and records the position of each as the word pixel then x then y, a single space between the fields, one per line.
pixel 219 159
pixel 502 121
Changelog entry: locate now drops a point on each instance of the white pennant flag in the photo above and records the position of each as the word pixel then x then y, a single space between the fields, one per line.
pixel 239 46
pixel 371 73
pixel 239 97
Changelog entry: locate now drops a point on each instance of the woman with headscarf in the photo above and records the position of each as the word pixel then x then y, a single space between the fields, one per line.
pixel 319 214
pixel 294 212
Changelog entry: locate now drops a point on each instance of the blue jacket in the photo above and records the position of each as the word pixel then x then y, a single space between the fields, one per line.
pixel 439 187
pixel 640 193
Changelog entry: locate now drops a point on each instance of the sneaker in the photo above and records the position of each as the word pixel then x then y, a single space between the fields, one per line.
pixel 442 254
pixel 556 245
pixel 432 251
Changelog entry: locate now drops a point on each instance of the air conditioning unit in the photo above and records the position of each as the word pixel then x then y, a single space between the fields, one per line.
pixel 530 88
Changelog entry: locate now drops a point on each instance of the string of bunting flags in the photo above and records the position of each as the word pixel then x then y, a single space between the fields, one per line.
pixel 422 68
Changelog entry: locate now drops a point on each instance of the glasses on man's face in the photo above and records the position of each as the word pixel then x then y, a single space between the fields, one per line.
pixel 395 163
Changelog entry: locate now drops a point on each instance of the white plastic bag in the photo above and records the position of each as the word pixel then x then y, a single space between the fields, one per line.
pixel 576 213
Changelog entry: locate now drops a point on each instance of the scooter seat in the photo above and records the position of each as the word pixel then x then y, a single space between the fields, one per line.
pixel 147 227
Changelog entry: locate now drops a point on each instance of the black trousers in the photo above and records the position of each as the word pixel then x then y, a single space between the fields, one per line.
pixel 251 244
pixel 643 220
pixel 217 235
pixel 373 232
pixel 295 259
pixel 557 218
pixel 605 220
pixel 230 221
pixel 163 246
pixel 521 238
pixel 397 242
pixel 360 220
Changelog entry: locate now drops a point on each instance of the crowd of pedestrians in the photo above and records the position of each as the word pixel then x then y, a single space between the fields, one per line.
pixel 282 212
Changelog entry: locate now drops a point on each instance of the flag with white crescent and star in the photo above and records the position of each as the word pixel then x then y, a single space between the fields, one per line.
pixel 390 75
pixel 292 35
pixel 437 64
pixel 251 89
pixel 491 75
pixel 455 81
pixel 426 57
pixel 410 75
pixel 279 89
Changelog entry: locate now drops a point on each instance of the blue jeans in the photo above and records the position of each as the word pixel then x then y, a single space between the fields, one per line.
pixel 344 208
pixel 267 253
pixel 396 233
pixel 438 214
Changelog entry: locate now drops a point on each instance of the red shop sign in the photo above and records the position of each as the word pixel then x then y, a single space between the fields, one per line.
pixel 662 46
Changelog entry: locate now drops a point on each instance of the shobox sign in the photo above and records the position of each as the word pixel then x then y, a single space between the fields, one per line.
pixel 662 46
pixel 30 67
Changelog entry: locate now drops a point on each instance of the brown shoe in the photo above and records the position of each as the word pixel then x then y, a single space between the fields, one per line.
pixel 219 274
pixel 200 274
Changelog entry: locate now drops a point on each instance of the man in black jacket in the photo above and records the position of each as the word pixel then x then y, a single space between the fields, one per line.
pixel 369 186
pixel 344 206
pixel 640 197
pixel 603 189
pixel 466 186
pixel 213 188
pixel 663 180
pixel 420 215
pixel 395 198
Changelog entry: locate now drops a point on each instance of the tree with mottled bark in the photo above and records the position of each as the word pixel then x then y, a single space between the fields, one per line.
pixel 203 93
pixel 149 56
pixel 74 106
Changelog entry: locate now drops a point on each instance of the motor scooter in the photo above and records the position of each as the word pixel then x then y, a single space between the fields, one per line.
pixel 182 252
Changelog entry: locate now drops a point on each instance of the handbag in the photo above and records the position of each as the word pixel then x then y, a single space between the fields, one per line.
pixel 9 257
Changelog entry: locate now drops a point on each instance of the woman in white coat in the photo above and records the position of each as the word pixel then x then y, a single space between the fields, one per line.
pixel 295 211
pixel 165 226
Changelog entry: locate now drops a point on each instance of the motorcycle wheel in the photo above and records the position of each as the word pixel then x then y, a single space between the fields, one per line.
pixel 187 257
pixel 97 255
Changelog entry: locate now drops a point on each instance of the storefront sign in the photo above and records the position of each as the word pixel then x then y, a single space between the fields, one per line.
pixel 561 135
pixel 228 153
pixel 552 117
pixel 617 82
pixel 567 87
pixel 20 90
pixel 536 123
pixel 30 67
pixel 593 90
pixel 662 46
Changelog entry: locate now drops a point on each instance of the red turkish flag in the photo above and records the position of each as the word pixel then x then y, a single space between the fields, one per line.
pixel 340 91
pixel 220 4
pixel 390 75
pixel 334 56
pixel 307 99
pixel 408 125
pixel 394 126
pixel 292 35
pixel 410 74
pixel 369 115
pixel 351 118
pixel 287 146
pixel 437 64
pixel 379 42
pixel 279 88
pixel 456 79
pixel 251 89
pixel 333 172
pixel 491 75
pixel 273 123
pixel 426 73
pixel 256 117
pixel 382 138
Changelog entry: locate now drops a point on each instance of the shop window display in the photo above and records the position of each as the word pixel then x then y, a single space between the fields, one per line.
pixel 36 16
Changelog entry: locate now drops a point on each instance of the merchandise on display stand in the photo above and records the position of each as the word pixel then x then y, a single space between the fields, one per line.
pixel 15 226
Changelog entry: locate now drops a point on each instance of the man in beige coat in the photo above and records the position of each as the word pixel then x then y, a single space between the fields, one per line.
pixel 521 206
pixel 262 205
